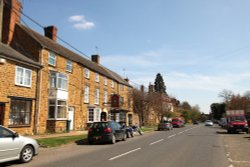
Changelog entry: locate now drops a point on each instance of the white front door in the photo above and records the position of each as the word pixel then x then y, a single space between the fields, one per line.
pixel 71 117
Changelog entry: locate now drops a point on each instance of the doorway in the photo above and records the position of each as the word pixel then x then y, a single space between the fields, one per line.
pixel 71 111
pixel 2 108
pixel 103 116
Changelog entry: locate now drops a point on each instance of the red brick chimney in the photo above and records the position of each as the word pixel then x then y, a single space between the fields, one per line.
pixel 95 58
pixel 11 16
pixel 51 32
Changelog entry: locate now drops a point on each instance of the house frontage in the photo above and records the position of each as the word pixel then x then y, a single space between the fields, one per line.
pixel 68 91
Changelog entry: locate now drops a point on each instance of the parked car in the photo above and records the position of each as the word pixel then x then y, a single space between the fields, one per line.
pixel 209 123
pixel 223 122
pixel 106 132
pixel 178 122
pixel 195 122
pixel 14 146
pixel 165 125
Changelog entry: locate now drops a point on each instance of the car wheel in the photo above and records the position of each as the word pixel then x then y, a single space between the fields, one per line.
pixel 124 137
pixel 113 140
pixel 26 154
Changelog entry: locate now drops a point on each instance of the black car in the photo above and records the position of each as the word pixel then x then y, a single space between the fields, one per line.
pixel 106 132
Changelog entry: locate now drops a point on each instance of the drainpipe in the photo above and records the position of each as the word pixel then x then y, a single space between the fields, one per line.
pixel 39 94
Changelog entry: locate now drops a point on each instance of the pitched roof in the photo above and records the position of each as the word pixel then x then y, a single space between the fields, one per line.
pixel 9 53
pixel 51 45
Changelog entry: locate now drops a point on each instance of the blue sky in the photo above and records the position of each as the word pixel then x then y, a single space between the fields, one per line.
pixel 199 46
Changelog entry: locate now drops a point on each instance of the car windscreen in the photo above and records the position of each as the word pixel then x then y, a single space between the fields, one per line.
pixel 237 118
pixel 99 125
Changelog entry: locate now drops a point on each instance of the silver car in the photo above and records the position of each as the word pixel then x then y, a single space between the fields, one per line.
pixel 16 147
pixel 209 123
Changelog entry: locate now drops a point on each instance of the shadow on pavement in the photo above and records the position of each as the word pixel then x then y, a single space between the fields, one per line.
pixel 221 132
pixel 82 142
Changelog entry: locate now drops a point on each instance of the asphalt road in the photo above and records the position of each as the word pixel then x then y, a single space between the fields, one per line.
pixel 191 146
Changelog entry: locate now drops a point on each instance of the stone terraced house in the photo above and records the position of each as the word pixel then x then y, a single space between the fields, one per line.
pixel 68 91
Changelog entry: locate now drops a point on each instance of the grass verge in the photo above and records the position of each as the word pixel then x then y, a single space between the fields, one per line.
pixel 58 141
pixel 148 128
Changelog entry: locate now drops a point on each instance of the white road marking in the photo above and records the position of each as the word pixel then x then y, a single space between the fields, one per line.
pixel 180 133
pixel 118 156
pixel 156 142
pixel 171 136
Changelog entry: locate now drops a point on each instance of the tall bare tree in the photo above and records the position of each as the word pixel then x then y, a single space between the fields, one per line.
pixel 226 95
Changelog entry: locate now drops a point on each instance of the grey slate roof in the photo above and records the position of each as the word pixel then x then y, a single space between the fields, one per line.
pixel 51 45
pixel 9 53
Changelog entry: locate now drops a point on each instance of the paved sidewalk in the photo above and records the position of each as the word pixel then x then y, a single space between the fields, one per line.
pixel 52 135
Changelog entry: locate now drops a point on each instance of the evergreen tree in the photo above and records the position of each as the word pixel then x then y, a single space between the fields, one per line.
pixel 159 84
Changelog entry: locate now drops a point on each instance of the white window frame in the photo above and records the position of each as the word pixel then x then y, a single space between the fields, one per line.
pixel 105 80
pixel 121 87
pixel 86 73
pixel 97 77
pixel 21 79
pixel 52 57
pixel 59 77
pixel 112 84
pixel 69 66
pixel 86 94
pixel 96 116
pixel 56 106
pixel 105 97
pixel 97 96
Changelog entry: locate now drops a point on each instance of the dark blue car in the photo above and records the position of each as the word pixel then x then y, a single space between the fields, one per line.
pixel 106 132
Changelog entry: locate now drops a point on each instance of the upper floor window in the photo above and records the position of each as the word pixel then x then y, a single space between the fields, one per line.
pixel 86 73
pixel 112 84
pixel 97 77
pixel 121 87
pixel 58 80
pixel 105 100
pixel 97 92
pixel 69 66
pixel 23 76
pixel 105 80
pixel 52 59
pixel 86 94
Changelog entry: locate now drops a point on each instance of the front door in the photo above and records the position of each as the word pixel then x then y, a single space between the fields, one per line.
pixel 71 117
pixel 2 107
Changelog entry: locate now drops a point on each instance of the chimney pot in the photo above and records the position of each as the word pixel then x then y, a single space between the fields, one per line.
pixel 51 32
pixel 126 79
pixel 95 58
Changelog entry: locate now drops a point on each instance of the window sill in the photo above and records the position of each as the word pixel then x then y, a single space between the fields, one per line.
pixel 57 119
pixel 26 86
pixel 18 126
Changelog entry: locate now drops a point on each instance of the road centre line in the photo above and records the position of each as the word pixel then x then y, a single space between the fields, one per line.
pixel 180 133
pixel 171 136
pixel 156 142
pixel 118 156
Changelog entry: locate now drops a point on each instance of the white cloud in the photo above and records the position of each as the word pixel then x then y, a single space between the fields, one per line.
pixel 80 22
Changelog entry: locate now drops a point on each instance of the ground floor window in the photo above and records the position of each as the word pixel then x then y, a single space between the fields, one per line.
pixel 20 112
pixel 94 114
pixel 118 117
pixel 57 109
